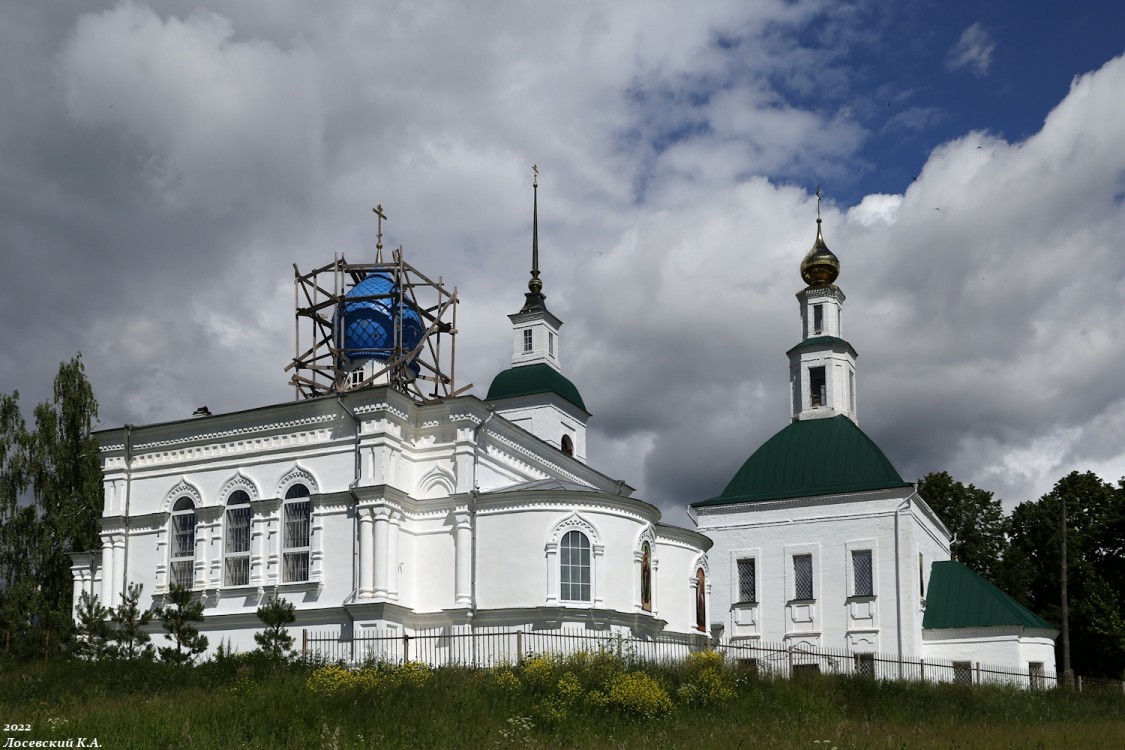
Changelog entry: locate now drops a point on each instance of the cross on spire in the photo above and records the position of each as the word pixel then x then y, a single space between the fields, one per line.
pixel 818 197
pixel 379 238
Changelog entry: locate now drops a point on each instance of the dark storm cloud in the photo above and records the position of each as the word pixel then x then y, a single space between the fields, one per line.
pixel 161 170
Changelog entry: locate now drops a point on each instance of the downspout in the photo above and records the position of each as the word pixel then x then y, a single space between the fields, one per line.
pixel 473 494
pixel 128 487
pixel 351 491
pixel 898 584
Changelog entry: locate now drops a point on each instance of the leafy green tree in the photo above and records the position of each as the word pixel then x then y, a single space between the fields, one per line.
pixel 18 522
pixel 66 480
pixel 1031 571
pixel 50 500
pixel 275 639
pixel 130 639
pixel 178 619
pixel 974 516
pixel 92 633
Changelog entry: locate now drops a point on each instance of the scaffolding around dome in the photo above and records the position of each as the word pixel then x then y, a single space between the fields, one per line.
pixel 364 324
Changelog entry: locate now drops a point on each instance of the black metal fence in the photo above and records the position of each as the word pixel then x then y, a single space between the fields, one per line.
pixel 493 647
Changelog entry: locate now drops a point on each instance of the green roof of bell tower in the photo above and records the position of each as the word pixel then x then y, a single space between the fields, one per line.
pixel 829 456
pixel 529 380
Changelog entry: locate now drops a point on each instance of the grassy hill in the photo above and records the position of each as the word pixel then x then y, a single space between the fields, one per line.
pixel 585 701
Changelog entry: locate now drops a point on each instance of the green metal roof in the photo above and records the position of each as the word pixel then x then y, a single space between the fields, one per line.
pixel 817 341
pixel 826 456
pixel 532 379
pixel 959 598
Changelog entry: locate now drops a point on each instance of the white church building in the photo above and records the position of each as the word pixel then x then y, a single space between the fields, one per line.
pixel 373 506
pixel 819 543
pixel 373 510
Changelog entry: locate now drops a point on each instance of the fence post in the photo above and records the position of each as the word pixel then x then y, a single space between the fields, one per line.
pixel 922 668
pixel 978 673
pixel 519 647
pixel 405 647
pixel 304 643
pixel 790 652
pixel 1080 683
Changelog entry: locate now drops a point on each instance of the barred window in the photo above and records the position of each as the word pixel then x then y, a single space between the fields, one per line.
pixel 182 550
pixel 802 577
pixel 296 514
pixel 574 567
pixel 963 672
pixel 236 550
pixel 861 573
pixel 747 588
pixel 865 665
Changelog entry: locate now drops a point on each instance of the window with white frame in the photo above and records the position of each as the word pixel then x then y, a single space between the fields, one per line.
pixel 551 343
pixel 527 334
pixel 574 567
pixel 802 577
pixel 236 545
pixel 747 583
pixel 296 512
pixel 862 580
pixel 182 551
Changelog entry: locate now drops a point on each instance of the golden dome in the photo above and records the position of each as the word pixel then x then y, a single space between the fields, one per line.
pixel 820 267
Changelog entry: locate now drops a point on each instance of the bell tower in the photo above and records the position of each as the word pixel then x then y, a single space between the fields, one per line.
pixel 533 393
pixel 822 366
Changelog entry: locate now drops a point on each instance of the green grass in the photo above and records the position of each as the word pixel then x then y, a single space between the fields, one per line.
pixel 593 701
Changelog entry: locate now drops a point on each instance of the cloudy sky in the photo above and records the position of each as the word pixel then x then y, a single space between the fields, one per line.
pixel 163 165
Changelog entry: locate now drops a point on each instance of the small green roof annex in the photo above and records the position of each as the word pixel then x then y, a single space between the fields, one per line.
pixel 959 598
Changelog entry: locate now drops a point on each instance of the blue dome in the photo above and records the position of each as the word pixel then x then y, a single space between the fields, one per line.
pixel 369 324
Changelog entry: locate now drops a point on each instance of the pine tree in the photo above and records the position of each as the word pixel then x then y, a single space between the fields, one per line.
pixel 130 639
pixel 92 633
pixel 177 619
pixel 275 639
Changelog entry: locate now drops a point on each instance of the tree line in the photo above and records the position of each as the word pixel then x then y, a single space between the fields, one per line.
pixel 1022 555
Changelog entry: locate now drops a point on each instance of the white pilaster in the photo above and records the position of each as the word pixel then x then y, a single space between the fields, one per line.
pixel 382 532
pixel 366 554
pixel 462 541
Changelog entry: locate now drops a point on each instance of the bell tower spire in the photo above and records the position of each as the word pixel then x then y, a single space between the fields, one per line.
pixel 535 299
pixel 535 328
pixel 533 393
pixel 822 366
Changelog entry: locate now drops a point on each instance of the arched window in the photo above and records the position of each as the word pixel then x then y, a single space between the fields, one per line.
pixel 574 567
pixel 236 548
pixel 182 551
pixel 700 600
pixel 646 577
pixel 567 445
pixel 295 534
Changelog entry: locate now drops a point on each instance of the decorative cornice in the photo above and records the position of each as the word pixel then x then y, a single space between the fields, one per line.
pixel 239 482
pixel 572 522
pixel 183 488
pixel 298 474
